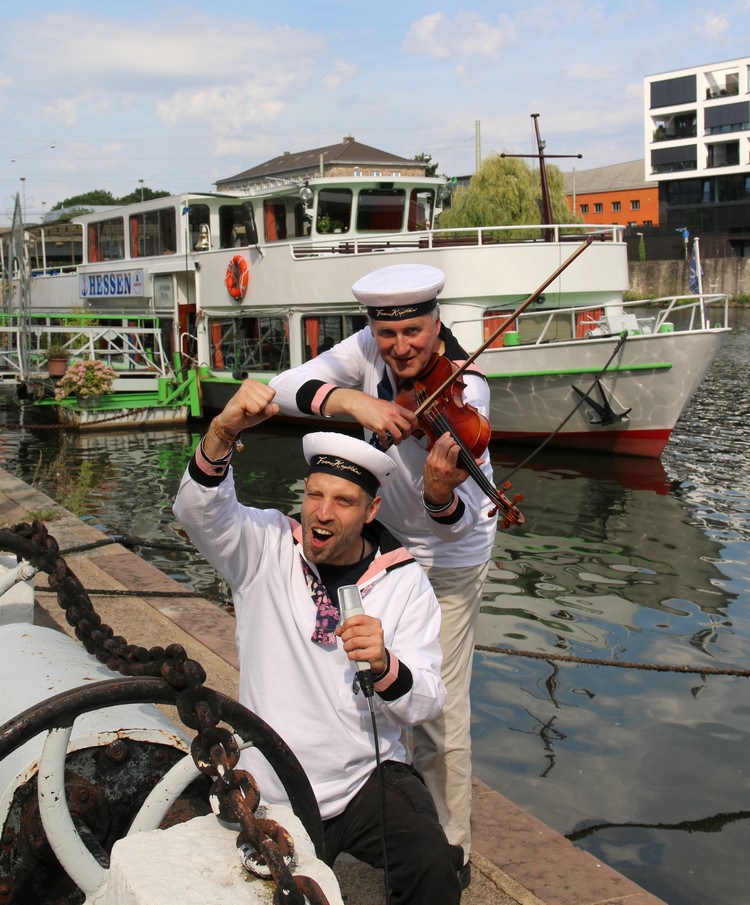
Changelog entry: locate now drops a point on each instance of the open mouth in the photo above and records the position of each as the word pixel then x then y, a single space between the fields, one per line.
pixel 320 537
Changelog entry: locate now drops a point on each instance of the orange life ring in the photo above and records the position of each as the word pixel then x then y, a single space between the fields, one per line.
pixel 238 274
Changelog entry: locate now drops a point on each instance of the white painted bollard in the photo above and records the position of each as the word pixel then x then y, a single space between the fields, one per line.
pixel 16 590
pixel 198 862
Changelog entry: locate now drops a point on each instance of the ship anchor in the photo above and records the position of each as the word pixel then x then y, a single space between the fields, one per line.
pixel 607 415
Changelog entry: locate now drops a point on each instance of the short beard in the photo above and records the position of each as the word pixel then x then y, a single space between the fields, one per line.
pixel 337 546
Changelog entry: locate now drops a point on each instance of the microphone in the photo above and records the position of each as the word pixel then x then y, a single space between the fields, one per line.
pixel 350 603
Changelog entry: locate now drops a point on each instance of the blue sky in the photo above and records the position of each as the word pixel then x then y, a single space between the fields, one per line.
pixel 183 94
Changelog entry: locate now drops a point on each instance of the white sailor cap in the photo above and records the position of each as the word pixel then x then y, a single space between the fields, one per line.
pixel 349 458
pixel 400 291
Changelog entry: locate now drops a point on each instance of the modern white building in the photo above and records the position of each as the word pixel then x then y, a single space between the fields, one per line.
pixel 697 147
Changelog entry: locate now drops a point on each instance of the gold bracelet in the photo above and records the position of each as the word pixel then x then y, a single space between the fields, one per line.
pixel 227 438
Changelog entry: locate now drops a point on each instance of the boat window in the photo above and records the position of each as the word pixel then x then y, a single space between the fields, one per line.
pixel 153 233
pixel 285 218
pixel 380 210
pixel 199 225
pixel 249 344
pixel 334 211
pixel 232 226
pixel 320 333
pixel 421 209
pixel 106 240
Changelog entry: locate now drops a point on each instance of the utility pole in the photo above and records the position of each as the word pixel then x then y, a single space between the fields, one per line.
pixel 477 146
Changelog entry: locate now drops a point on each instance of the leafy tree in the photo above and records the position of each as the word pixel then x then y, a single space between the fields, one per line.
pixel 148 195
pixel 96 197
pixel 505 191
pixel 103 198
pixel 426 159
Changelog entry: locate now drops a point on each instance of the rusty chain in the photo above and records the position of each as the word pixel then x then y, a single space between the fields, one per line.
pixel 266 848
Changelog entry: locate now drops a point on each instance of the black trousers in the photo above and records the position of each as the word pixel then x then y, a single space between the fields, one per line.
pixel 422 865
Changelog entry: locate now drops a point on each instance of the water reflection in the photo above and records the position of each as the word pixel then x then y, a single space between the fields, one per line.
pixel 651 568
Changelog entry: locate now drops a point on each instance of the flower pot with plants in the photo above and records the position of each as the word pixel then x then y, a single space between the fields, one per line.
pixel 57 360
pixel 85 380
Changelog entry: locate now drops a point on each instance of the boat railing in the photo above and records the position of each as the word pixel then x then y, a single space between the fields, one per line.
pixel 454 238
pixel 52 271
pixel 129 350
pixel 641 317
pixel 10 345
pixel 188 346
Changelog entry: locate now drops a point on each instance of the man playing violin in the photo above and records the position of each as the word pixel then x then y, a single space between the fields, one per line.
pixel 445 521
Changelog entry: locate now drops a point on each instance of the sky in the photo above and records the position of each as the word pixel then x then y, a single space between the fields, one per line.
pixel 102 95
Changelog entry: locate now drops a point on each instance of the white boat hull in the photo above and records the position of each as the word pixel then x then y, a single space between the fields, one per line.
pixel 114 419
pixel 646 386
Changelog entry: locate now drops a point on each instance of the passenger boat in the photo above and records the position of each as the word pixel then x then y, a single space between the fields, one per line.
pixel 247 285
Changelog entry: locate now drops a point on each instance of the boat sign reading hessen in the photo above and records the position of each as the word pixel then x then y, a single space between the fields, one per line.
pixel 115 284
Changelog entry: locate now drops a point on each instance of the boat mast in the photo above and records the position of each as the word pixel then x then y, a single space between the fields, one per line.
pixel 546 200
pixel 546 212
pixel 18 272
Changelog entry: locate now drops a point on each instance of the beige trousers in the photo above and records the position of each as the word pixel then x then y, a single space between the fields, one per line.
pixel 441 748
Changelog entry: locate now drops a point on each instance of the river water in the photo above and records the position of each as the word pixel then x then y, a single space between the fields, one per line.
pixel 621 560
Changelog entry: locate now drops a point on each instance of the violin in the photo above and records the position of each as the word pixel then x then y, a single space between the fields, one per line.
pixel 448 413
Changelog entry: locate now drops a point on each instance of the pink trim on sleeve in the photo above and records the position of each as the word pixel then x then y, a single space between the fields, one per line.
pixel 390 677
pixel 443 513
pixel 210 467
pixel 320 397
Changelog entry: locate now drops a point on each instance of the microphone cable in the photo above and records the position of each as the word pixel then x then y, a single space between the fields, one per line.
pixel 350 604
pixel 381 790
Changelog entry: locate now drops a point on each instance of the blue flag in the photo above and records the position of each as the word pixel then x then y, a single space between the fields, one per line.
pixel 695 267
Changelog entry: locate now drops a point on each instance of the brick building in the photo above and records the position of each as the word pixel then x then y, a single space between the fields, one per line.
pixel 618 193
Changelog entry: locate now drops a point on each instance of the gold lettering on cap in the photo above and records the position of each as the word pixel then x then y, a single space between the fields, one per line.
pixel 381 313
pixel 339 464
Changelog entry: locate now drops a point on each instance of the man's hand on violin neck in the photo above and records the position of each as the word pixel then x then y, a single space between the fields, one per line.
pixel 390 421
pixel 441 472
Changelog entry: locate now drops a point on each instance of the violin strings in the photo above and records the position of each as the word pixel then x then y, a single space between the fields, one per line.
pixel 442 425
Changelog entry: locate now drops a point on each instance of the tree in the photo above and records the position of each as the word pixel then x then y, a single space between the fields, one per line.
pixel 505 191
pixel 430 169
pixel 103 198
pixel 144 194
pixel 96 198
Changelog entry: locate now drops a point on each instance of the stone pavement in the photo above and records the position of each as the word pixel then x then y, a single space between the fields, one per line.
pixel 515 858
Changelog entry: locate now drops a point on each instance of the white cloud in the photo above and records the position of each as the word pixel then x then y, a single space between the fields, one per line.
pixel 65 110
pixel 427 37
pixel 341 73
pixel 160 63
pixel 713 26
pixel 464 37
pixel 229 109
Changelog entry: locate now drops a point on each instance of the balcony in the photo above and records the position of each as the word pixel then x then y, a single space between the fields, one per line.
pixel 661 133
pixel 714 94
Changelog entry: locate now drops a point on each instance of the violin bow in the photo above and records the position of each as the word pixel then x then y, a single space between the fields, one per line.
pixel 426 403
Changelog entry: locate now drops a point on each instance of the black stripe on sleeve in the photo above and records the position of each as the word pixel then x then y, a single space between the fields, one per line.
pixel 306 393
pixel 402 684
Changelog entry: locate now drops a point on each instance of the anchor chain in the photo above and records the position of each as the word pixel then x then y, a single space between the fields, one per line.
pixel 266 848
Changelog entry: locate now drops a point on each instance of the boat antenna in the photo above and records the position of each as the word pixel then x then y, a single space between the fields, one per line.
pixel 541 157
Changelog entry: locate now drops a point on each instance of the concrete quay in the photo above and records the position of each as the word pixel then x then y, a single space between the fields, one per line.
pixel 516 859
